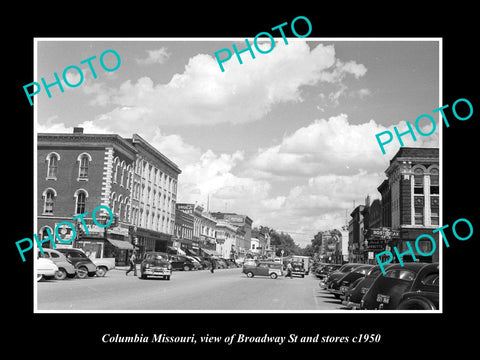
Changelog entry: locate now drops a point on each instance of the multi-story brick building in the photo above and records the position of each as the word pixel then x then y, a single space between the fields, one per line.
pixel 413 191
pixel 78 172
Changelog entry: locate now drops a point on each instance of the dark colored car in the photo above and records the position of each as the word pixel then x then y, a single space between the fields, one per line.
pixel 180 262
pixel 230 263
pixel 388 291
pixel 337 274
pixel 356 291
pixel 155 264
pixel 81 261
pixel 339 286
pixel 323 270
pixel 220 263
pixel 298 269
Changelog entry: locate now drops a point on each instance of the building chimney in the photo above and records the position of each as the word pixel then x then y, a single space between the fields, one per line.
pixel 78 130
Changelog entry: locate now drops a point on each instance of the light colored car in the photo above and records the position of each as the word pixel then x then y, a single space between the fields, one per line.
pixel 103 265
pixel 65 267
pixel 263 268
pixel 46 268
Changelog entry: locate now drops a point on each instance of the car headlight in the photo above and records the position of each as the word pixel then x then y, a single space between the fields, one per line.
pixel 147 266
pixel 169 266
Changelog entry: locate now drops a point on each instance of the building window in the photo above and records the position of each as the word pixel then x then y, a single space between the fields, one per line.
pixel 81 202
pixel 84 161
pixel 419 205
pixel 434 212
pixel 52 167
pixel 418 184
pixel 49 199
pixel 434 183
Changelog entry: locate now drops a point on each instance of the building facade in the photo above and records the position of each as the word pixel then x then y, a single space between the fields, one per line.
pixel 78 172
pixel 413 182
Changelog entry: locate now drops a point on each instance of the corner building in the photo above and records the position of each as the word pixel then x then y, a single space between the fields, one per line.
pixel 413 193
pixel 78 172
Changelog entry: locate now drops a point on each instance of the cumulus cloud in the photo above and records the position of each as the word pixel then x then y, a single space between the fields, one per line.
pixel 203 95
pixel 335 146
pixel 158 56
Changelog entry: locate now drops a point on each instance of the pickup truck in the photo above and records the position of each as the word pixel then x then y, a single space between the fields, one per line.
pixel 104 265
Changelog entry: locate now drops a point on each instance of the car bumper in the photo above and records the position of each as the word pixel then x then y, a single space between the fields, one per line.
pixel 351 305
pixel 336 291
pixel 157 272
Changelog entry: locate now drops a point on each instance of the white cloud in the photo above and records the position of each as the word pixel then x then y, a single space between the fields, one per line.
pixel 203 95
pixel 158 56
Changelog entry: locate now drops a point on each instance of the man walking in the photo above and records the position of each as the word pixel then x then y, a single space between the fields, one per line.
pixel 133 266
pixel 214 264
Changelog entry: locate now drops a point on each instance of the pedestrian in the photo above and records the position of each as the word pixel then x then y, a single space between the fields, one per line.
pixel 289 270
pixel 133 266
pixel 214 265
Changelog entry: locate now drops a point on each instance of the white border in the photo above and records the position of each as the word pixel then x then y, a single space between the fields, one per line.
pixel 328 39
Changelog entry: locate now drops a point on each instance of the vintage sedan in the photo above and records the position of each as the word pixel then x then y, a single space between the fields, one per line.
pixel 263 268
pixel 355 293
pixel 323 270
pixel 339 286
pixel 65 266
pixel 155 264
pixel 45 269
pixel 387 291
pixel 84 266
pixel 346 268
pixel 424 292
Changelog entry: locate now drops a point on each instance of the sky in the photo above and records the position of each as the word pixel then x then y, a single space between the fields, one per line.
pixel 287 138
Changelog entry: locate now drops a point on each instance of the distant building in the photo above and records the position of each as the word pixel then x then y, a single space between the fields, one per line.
pixel 239 221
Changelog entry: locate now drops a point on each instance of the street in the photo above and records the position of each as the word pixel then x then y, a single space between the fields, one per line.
pixel 226 289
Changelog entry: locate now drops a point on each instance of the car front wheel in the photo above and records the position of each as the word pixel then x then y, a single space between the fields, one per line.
pixel 60 274
pixel 82 272
pixel 101 271
pixel 273 275
pixel 186 268
pixel 250 274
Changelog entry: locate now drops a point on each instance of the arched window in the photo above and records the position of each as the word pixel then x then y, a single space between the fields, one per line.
pixel 52 165
pixel 84 161
pixel 81 201
pixel 49 196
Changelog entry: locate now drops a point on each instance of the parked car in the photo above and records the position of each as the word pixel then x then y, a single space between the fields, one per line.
pixel 355 293
pixel 46 269
pixel 388 290
pixel 220 263
pixel 155 264
pixel 323 270
pixel 344 269
pixel 230 263
pixel 340 285
pixel 181 262
pixel 65 266
pixel 424 292
pixel 103 265
pixel 84 266
pixel 196 263
pixel 263 268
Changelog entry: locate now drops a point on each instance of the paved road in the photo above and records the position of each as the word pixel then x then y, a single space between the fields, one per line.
pixel 226 289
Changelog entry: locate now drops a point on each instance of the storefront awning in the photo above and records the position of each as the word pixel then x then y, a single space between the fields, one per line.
pixel 121 244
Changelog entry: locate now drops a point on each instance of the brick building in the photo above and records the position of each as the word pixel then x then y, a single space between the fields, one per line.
pixel 412 189
pixel 78 172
